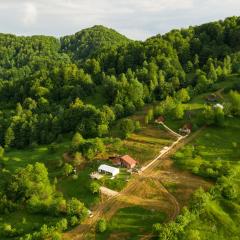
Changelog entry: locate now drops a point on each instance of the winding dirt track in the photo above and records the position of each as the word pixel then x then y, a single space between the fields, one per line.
pixel 136 192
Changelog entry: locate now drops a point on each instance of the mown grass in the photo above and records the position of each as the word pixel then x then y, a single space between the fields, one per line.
pixel 131 223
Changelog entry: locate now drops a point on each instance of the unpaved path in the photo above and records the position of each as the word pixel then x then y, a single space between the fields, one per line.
pixel 168 129
pixel 108 192
pixel 147 190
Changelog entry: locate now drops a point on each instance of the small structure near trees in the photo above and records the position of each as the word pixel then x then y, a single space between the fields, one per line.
pixel 160 119
pixel 218 105
pixel 108 170
pixel 186 129
pixel 125 161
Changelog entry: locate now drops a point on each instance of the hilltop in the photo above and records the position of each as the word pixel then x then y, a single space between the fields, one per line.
pixel 92 41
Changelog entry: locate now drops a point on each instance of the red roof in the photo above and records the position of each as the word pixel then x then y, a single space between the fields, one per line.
pixel 128 159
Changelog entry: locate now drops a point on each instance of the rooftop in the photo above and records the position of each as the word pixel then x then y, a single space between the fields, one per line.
pixel 108 168
pixel 128 159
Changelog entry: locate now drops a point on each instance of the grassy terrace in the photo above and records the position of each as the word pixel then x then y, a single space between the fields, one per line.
pixel 146 144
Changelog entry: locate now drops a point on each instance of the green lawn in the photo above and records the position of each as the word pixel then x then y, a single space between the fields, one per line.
pixel 119 181
pixel 131 223
pixel 79 188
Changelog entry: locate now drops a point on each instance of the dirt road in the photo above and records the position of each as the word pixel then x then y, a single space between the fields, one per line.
pixel 147 190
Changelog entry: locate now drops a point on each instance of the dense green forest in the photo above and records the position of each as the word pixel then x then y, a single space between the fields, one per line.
pixel 84 83
pixel 48 82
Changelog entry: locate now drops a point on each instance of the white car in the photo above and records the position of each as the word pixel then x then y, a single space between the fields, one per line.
pixel 90 214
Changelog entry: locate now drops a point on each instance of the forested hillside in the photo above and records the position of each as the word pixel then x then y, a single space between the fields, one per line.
pixel 82 85
pixel 47 81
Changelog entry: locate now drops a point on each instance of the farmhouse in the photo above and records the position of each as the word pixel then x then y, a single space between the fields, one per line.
pixel 108 169
pixel 125 161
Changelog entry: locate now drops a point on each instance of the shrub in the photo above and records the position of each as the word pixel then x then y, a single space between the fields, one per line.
pixel 101 225
pixel 67 169
pixel 56 236
pixel 8 230
pixel 74 221
pixel 126 127
pixel 62 225
pixel 94 187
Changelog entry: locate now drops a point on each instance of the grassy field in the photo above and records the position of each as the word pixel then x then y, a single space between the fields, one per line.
pixel 15 158
pixel 79 187
pixel 221 143
pixel 24 222
pixel 119 181
pixel 131 223
pixel 214 147
pixel 21 220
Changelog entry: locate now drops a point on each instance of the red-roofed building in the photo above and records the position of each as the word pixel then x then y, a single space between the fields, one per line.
pixel 125 161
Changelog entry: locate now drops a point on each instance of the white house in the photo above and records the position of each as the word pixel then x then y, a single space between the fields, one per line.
pixel 108 169
pixel 218 105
